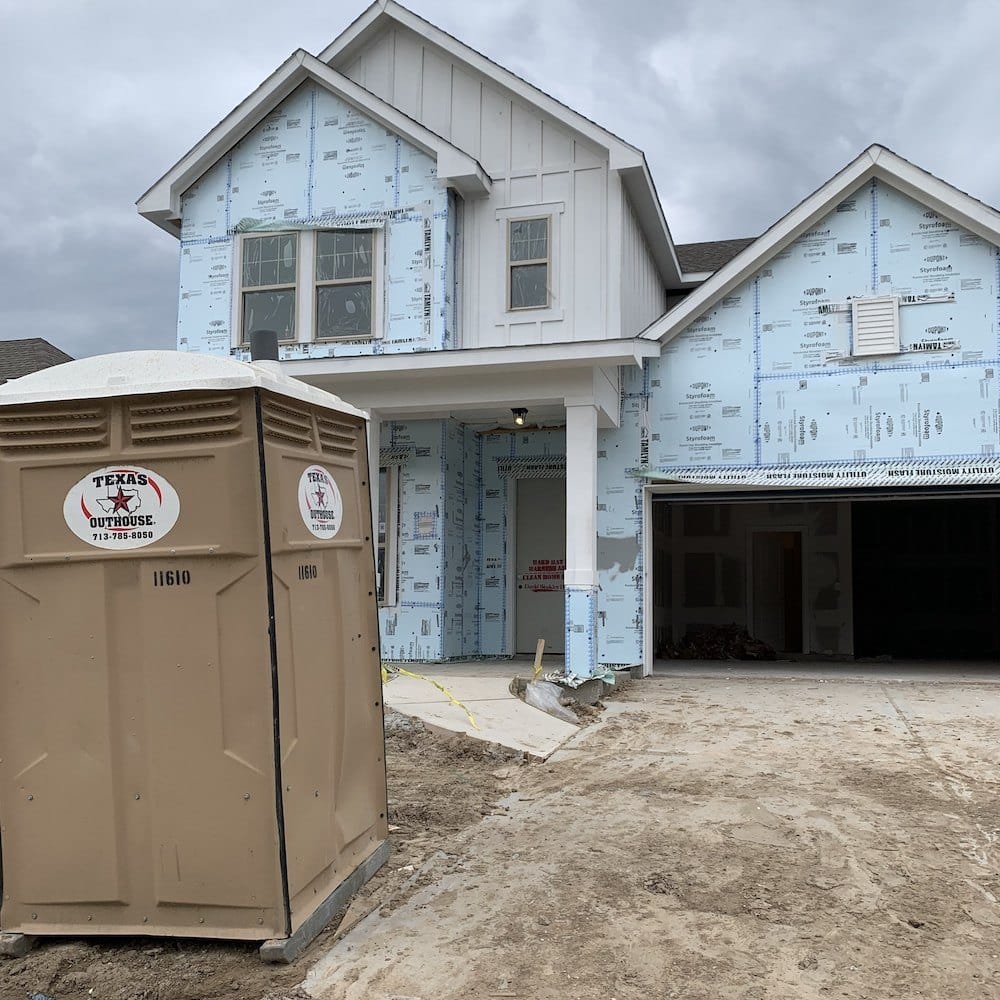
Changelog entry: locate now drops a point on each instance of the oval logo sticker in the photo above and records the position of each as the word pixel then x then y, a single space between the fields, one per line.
pixel 121 507
pixel 320 503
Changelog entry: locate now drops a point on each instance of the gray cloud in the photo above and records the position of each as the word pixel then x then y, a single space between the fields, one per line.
pixel 742 109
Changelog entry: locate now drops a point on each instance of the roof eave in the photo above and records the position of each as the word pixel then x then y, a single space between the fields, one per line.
pixel 161 204
pixel 642 194
pixel 691 279
pixel 875 162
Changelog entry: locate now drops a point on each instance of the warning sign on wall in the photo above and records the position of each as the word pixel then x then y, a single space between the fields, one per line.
pixel 544 575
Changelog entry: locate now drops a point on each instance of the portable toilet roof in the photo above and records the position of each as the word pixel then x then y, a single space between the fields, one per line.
pixel 136 373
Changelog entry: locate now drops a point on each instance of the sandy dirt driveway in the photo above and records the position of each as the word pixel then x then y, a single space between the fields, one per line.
pixel 728 836
pixel 719 837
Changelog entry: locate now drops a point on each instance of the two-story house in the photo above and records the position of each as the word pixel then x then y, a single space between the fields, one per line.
pixel 580 431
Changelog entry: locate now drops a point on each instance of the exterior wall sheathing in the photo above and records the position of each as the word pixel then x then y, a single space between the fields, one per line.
pixel 454 548
pixel 318 163
pixel 763 388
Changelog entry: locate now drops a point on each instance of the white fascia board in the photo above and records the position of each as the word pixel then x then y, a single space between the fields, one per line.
pixel 939 195
pixel 358 32
pixel 691 279
pixel 642 194
pixel 492 359
pixel 161 203
pixel 876 161
pixel 431 392
pixel 749 260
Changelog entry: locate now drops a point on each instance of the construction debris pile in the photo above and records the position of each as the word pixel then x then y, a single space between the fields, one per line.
pixel 718 642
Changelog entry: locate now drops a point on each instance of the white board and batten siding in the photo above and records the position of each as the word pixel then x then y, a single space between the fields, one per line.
pixel 643 295
pixel 539 167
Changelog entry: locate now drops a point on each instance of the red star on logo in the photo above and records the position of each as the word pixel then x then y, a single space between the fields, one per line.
pixel 320 497
pixel 121 501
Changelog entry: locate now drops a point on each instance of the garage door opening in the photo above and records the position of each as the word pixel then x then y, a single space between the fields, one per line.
pixel 878 576
pixel 927 579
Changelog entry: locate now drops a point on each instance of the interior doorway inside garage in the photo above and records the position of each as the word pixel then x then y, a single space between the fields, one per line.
pixel 872 575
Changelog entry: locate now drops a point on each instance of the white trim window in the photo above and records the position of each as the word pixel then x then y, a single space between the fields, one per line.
pixel 313 285
pixel 344 284
pixel 386 551
pixel 529 261
pixel 268 283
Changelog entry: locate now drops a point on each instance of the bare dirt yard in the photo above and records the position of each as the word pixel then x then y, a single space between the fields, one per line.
pixel 729 836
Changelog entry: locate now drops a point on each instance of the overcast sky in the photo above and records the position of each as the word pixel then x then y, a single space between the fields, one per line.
pixel 742 109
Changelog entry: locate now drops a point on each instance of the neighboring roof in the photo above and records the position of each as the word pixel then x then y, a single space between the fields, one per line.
pixel 136 373
pixel 22 357
pixel 700 257
pixel 622 155
pixel 875 162
pixel 161 204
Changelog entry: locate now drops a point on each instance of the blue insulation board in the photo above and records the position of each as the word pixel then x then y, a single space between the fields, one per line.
pixel 317 162
pixel 453 552
pixel 763 389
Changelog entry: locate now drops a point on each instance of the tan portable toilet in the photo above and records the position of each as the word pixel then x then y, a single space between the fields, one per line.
pixel 191 736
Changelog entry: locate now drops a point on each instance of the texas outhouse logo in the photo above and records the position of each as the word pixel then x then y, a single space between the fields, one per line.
pixel 121 507
pixel 320 503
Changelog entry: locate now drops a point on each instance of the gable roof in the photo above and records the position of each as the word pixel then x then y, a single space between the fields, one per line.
pixel 875 162
pixel 697 258
pixel 23 357
pixel 382 13
pixel 161 204
pixel 629 160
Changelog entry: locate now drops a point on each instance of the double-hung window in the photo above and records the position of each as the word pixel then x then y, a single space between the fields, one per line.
pixel 320 278
pixel 269 276
pixel 343 284
pixel 528 262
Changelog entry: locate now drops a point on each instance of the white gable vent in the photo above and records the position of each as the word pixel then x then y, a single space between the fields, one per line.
pixel 875 322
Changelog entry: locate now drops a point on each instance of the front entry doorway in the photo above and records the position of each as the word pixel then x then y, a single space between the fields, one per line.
pixel 540 544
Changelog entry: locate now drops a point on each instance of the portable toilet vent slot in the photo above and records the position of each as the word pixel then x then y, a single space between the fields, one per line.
pixel 191 726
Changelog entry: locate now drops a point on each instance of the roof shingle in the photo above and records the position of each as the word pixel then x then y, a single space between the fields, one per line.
pixel 710 256
pixel 22 357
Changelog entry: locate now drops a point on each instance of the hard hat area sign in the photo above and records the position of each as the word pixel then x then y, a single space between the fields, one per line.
pixel 320 502
pixel 121 507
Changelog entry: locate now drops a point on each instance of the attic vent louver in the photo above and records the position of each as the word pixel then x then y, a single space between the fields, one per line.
pixel 875 322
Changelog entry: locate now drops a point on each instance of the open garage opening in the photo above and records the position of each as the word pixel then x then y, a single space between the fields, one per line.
pixel 867 576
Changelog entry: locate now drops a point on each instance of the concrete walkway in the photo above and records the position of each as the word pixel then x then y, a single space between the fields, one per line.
pixel 483 687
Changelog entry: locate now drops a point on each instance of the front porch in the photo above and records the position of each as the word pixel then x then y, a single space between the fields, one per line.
pixel 487 529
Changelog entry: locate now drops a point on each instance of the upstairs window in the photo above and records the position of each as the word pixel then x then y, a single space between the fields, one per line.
pixel 343 284
pixel 268 277
pixel 528 263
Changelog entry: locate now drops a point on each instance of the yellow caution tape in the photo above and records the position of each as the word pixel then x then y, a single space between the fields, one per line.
pixel 389 671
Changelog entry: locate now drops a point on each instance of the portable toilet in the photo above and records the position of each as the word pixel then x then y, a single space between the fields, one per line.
pixel 191 733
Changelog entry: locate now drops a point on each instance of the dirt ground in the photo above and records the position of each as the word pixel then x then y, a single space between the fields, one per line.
pixel 729 836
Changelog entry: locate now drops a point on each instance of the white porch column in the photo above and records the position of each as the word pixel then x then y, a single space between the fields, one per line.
pixel 581 539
